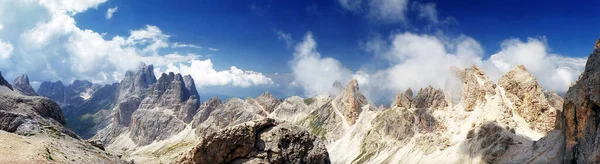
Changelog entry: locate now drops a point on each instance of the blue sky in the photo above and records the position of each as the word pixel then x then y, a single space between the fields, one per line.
pixel 271 41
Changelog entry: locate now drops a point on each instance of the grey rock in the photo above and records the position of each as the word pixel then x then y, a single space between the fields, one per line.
pixel 205 110
pixel 5 83
pixel 21 85
pixel 268 102
pixel 430 98
pixel 232 112
pixel 260 141
pixel 351 101
pixel 404 100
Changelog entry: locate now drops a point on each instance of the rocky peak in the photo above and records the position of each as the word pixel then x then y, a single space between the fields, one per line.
pixel 528 98
pixel 205 110
pixel 404 100
pixel 53 90
pixel 580 115
pixel 430 98
pixel 22 86
pixel 170 92
pixel 190 85
pixel 475 86
pixel 136 83
pixel 351 101
pixel 268 102
pixel 5 83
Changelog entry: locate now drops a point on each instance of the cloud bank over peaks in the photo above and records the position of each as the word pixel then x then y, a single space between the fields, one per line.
pixel 420 60
pixel 313 73
pixel 204 74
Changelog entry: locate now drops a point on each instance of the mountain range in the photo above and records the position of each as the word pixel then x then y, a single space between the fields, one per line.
pixel 145 119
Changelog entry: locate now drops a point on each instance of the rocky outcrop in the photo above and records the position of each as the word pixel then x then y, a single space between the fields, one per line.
pixel 22 86
pixel 404 100
pixel 5 83
pixel 137 83
pixel 554 100
pixel 232 112
pixel 166 110
pixel 430 98
pixel 351 101
pixel 261 141
pixel 205 110
pixel 528 99
pixel 475 86
pixel 53 90
pixel 581 111
pixel 268 102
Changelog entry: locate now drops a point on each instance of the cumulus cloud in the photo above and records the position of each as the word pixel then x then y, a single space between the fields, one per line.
pixel 110 12
pixel 48 45
pixel 553 71
pixel 204 74
pixel 313 73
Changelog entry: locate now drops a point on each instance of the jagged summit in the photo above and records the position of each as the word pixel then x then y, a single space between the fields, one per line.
pixel 351 101
pixel 136 83
pixel 430 98
pixel 528 97
pixel 268 102
pixel 21 84
pixel 473 92
pixel 597 46
pixel 5 83
pixel 404 100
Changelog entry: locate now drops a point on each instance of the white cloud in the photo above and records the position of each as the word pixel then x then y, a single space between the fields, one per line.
pixel 315 74
pixel 287 38
pixel 178 45
pixel 427 11
pixel 72 6
pixel 5 50
pixel 1 26
pixel 390 11
pixel 46 44
pixel 386 11
pixel 204 74
pixel 111 11
pixel 213 49
pixel 553 72
pixel 417 61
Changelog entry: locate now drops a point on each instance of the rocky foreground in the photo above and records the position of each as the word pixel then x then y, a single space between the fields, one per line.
pixel 162 120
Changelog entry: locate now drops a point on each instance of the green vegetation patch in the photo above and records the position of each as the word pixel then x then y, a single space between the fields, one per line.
pixel 308 101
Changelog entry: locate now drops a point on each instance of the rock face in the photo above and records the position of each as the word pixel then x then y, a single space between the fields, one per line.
pixel 136 83
pixel 232 112
pixel 430 98
pixel 268 102
pixel 580 114
pixel 528 97
pixel 53 90
pixel 351 102
pixel 474 92
pixel 166 110
pixel 5 83
pixel 35 127
pixel 404 100
pixel 261 141
pixel 22 86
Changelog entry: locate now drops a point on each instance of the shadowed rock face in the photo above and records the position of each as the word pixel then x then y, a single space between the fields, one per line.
pixel 22 86
pixel 430 98
pixel 260 141
pixel 53 90
pixel 405 100
pixel 581 113
pixel 5 83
